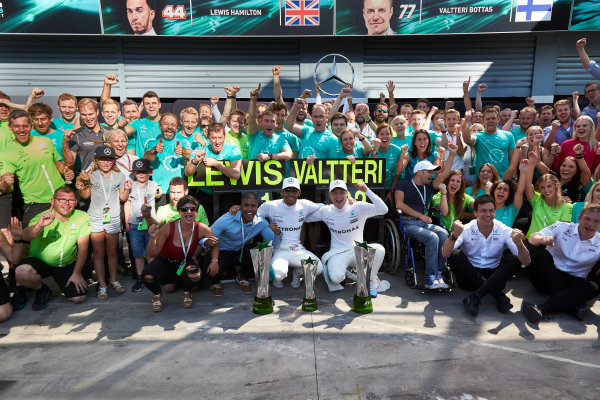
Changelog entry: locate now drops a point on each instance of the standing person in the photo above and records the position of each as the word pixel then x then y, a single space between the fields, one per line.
pixel 589 65
pixel 36 164
pixel 106 186
pixel 476 254
pixel 289 214
pixel 173 248
pixel 592 94
pixel 67 105
pixel 567 268
pixel 351 145
pixel 315 141
pixel 145 130
pixel 41 114
pixel 395 157
pixel 237 134
pixel 413 198
pixel 190 133
pixel 421 150
pixel 487 176
pixel 346 223
pixel 117 139
pixel 12 254
pixel 583 130
pixel 561 129
pixel 59 245
pixel 142 194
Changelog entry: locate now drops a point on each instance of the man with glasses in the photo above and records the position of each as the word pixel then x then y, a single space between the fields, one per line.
pixel 380 115
pixel 592 93
pixel 59 244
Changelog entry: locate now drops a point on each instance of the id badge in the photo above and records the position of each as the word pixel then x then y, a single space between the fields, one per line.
pixel 472 170
pixel 143 226
pixel 181 267
pixel 106 215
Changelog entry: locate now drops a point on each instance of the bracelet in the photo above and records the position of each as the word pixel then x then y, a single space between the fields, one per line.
pixel 194 163
pixel 18 241
pixel 270 156
pixel 452 237
pixel 442 160
pixel 367 121
pixel 214 260
pixel 443 194
pixel 231 97
pixel 578 156
pixel 361 139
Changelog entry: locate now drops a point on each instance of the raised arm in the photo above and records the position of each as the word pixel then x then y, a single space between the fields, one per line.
pixel 109 80
pixel 252 126
pixel 529 189
pixel 466 131
pixel 390 88
pixel 585 60
pixel 508 125
pixel 432 112
pixel 277 91
pixel 575 110
pixel 478 102
pixel 230 102
pixel 290 121
pixel 466 98
pixel 452 148
pixel 586 174
pixel 344 93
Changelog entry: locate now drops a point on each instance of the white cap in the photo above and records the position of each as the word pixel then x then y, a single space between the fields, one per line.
pixel 337 184
pixel 291 182
pixel 425 166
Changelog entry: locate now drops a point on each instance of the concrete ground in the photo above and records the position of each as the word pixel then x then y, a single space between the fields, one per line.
pixel 415 345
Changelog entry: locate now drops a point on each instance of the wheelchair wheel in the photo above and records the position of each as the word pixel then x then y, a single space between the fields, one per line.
pixel 391 243
pixel 449 277
pixel 410 277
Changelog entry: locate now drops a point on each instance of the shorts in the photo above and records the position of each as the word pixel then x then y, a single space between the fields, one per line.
pixel 112 227
pixel 4 292
pixel 60 274
pixel 31 210
pixel 138 241
pixel 5 209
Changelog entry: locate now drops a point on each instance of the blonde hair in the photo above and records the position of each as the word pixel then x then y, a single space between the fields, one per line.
pixel 591 139
pixel 590 195
pixel 115 132
pixel 556 200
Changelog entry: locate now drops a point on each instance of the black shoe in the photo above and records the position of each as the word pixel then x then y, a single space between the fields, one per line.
pixel 42 296
pixel 12 280
pixel 502 302
pixel 471 303
pixel 532 312
pixel 19 298
pixel 580 312
pixel 137 286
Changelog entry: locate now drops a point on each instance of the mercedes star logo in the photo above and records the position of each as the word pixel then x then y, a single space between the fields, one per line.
pixel 340 67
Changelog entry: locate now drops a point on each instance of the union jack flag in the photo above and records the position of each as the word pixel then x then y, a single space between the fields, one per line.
pixel 301 12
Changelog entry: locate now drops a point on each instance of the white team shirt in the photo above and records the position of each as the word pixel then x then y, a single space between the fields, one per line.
pixel 571 254
pixel 348 223
pixel 289 218
pixel 485 252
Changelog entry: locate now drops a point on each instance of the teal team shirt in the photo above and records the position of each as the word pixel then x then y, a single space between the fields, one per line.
pixel 230 152
pixel 56 137
pixel 400 142
pixel 518 134
pixel 316 143
pixel 167 164
pixel 259 143
pixel 145 135
pixel 493 149
pixel 507 214
pixel 408 171
pixel 391 156
pixel 58 124
pixel 191 141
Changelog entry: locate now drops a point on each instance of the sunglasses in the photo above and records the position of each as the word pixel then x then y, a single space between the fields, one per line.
pixel 188 209
pixel 382 110
pixel 290 190
pixel 203 126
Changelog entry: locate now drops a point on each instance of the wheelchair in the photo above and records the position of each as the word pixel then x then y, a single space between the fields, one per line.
pixel 403 253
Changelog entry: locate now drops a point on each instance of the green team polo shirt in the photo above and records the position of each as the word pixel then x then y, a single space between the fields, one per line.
pixel 448 220
pixel 241 142
pixel 168 213
pixel 543 215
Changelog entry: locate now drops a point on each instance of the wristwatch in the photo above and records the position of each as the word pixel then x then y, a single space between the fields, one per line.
pixel 452 237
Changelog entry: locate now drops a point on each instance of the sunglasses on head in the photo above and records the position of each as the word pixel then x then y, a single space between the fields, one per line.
pixel 382 110
pixel 188 209
pixel 290 190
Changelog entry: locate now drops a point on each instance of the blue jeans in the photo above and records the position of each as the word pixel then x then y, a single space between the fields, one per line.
pixel 433 237
pixel 138 241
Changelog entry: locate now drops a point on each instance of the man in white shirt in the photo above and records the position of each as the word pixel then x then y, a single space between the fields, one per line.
pixel 476 254
pixel 346 222
pixel 289 213
pixel 568 268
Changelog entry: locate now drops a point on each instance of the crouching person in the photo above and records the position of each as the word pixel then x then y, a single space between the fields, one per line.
pixel 568 267
pixel 476 253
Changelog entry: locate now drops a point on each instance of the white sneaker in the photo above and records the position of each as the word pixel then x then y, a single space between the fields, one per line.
pixel 351 273
pixel 379 285
pixel 441 283
pixel 277 284
pixel 296 275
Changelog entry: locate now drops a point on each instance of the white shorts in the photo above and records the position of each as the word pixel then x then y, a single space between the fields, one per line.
pixel 112 227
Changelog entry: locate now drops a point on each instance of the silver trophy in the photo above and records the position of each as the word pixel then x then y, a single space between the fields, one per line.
pixel 309 266
pixel 261 260
pixel 364 262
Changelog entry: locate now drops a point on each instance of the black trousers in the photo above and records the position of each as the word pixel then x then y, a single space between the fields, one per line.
pixel 163 271
pixel 566 291
pixel 228 260
pixel 483 280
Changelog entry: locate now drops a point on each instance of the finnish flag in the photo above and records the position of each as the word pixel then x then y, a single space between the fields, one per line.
pixel 533 10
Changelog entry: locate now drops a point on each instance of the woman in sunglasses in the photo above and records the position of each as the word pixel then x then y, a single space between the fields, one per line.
pixel 173 247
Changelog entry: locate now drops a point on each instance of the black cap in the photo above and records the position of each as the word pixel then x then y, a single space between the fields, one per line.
pixel 141 164
pixel 105 151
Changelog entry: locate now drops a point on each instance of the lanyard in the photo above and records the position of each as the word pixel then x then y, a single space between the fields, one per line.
pixel 104 188
pixel 48 178
pixel 128 162
pixel 422 196
pixel 185 250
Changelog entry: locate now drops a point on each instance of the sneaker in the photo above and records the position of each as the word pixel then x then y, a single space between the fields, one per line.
pixel 137 286
pixel 580 312
pixel 471 303
pixel 351 273
pixel 502 302
pixel 296 275
pixel 440 279
pixel 378 286
pixel 19 298
pixel 12 280
pixel 277 284
pixel 532 312
pixel 432 282
pixel 42 296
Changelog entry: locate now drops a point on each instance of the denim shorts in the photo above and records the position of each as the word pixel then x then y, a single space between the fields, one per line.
pixel 138 240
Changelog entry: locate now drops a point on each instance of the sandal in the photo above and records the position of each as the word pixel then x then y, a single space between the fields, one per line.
pixel 118 287
pixel 187 299
pixel 244 284
pixel 217 289
pixel 157 303
pixel 102 292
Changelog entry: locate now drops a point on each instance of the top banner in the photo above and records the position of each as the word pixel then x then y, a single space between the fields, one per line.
pixel 218 18
pixel 391 17
pixel 586 15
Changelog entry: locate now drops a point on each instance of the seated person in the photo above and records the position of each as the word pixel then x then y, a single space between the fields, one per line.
pixel 346 223
pixel 413 198
pixel 12 253
pixel 476 254
pixel 173 248
pixel 232 234
pixel 567 269
pixel 59 246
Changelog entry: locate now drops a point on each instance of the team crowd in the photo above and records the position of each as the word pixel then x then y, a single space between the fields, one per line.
pixel 490 193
